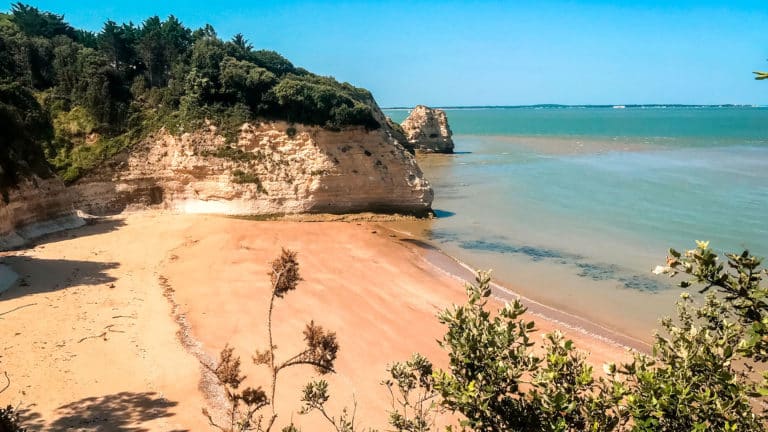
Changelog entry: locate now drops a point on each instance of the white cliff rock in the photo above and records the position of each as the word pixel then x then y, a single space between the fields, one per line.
pixel 427 130
pixel 35 207
pixel 275 168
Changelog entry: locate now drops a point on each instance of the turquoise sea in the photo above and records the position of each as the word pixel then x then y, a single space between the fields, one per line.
pixel 573 206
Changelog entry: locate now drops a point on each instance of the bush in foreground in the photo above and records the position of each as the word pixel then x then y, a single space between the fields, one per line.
pixel 702 373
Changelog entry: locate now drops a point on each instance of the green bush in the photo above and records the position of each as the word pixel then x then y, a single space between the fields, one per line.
pixel 25 126
pixel 700 375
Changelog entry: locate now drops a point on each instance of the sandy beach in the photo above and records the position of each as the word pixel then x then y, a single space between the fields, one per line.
pixel 108 324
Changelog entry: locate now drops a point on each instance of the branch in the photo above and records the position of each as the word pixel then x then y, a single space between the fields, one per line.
pixel 8 382
pixel 307 362
pixel 211 422
pixel 17 308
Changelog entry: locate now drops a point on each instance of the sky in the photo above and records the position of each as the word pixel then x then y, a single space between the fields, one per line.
pixel 450 53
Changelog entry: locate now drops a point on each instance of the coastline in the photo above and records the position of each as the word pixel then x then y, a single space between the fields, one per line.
pixel 110 284
pixel 503 291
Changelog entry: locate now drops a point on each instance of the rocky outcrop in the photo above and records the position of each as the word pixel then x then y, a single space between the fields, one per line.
pixel 35 207
pixel 427 130
pixel 274 168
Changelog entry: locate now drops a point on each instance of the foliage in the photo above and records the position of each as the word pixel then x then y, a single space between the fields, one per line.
pixel 700 375
pixel 315 396
pixel 412 395
pixel 320 353
pixel 10 420
pixel 499 383
pixel 693 381
pixel 25 125
pixel 33 22
pixel 134 79
pixel 741 287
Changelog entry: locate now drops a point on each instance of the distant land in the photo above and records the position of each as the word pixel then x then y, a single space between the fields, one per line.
pixel 453 107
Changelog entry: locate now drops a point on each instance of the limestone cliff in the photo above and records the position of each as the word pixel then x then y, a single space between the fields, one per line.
pixel 274 168
pixel 35 207
pixel 427 130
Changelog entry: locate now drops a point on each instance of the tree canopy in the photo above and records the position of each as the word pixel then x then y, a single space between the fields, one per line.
pixel 130 79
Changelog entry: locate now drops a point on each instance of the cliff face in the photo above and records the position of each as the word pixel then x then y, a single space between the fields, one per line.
pixel 35 207
pixel 427 130
pixel 274 168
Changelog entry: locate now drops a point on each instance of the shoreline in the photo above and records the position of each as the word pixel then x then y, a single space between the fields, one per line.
pixel 505 292
pixel 144 294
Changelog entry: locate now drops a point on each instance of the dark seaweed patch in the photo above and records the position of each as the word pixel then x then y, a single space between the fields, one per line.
pixel 601 272
pixel 585 268
pixel 534 253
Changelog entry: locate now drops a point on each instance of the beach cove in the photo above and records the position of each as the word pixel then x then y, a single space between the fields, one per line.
pixel 133 305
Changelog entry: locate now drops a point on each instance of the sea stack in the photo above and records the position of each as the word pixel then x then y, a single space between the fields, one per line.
pixel 427 130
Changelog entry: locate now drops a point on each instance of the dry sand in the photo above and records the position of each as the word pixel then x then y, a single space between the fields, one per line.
pixel 107 325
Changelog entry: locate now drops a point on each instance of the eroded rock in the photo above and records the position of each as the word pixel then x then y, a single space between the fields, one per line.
pixel 427 130
pixel 274 168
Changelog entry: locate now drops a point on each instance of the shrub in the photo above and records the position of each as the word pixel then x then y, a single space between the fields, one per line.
pixel 700 375
pixel 320 353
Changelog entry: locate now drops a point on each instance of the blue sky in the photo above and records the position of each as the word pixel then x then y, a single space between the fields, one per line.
pixel 493 53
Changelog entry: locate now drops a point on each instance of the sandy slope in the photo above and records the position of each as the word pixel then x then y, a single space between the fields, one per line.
pixel 90 338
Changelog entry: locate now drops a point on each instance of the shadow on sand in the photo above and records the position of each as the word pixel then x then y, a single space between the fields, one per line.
pixel 93 226
pixel 120 412
pixel 47 275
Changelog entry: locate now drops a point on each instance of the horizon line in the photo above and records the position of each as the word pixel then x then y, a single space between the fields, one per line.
pixel 659 105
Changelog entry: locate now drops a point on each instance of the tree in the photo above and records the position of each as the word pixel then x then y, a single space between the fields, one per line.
pixel 25 125
pixel 117 43
pixel 35 23
pixel 240 47
pixel 245 82
pixel 271 61
pixel 160 44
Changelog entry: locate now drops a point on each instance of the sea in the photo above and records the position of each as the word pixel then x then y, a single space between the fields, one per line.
pixel 574 206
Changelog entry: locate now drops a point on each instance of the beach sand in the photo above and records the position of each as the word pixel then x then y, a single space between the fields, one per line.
pixel 108 324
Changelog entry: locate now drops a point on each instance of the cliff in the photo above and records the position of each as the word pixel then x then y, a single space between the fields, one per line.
pixel 274 168
pixel 427 130
pixel 35 207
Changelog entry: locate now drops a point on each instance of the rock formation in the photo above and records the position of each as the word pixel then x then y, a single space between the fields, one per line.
pixel 35 207
pixel 274 168
pixel 427 130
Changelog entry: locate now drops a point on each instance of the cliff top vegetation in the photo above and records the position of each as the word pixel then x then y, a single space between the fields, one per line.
pixel 73 98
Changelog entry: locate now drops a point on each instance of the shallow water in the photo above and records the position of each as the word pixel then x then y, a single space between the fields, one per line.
pixel 575 206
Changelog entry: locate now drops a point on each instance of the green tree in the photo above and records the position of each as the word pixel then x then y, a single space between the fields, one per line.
pixel 117 42
pixel 33 22
pixel 160 44
pixel 25 125
pixel 245 82
pixel 271 61
pixel 240 48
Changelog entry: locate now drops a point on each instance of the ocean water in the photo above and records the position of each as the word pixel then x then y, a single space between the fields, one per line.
pixel 573 207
